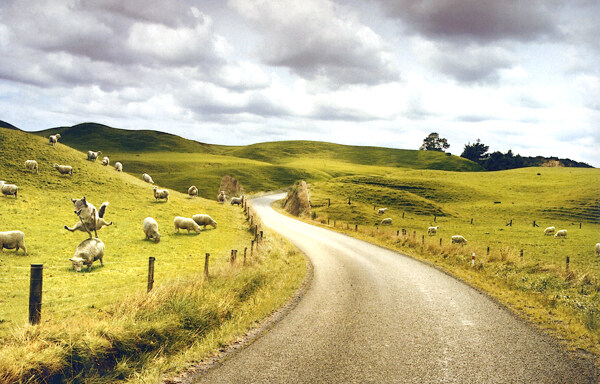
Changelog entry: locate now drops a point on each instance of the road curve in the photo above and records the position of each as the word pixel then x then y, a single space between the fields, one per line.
pixel 375 316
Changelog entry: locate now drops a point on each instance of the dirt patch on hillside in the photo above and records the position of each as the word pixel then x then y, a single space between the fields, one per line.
pixel 297 201
pixel 231 186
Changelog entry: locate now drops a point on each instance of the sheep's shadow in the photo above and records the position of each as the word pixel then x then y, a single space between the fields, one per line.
pixel 186 233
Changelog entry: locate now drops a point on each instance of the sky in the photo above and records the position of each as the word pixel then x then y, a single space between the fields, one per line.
pixel 517 74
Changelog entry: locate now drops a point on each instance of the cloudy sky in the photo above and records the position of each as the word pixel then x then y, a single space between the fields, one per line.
pixel 517 74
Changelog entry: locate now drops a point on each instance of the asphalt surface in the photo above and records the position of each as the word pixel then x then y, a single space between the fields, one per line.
pixel 375 316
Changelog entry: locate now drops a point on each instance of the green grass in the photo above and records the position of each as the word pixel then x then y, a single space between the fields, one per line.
pixel 101 325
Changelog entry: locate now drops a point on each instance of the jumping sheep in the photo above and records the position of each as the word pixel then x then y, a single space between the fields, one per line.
pixel 105 161
pixel 32 165
pixel 193 191
pixel 549 230
pixel 92 156
pixel 203 219
pixel 433 230
pixel 151 229
pixel 64 169
pixel 597 248
pixel 381 211
pixel 53 139
pixel 146 177
pixel 185 223
pixel 119 167
pixel 386 221
pixel 160 193
pixel 8 189
pixel 88 251
pixel 12 240
pixel 458 239
pixel 221 197
pixel 561 233
pixel 91 217
pixel 237 200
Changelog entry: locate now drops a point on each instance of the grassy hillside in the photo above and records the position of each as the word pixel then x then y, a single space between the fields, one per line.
pixel 101 323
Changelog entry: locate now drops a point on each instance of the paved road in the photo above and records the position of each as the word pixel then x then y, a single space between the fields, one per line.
pixel 375 316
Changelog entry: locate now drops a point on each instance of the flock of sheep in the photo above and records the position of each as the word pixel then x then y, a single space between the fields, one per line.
pixel 92 219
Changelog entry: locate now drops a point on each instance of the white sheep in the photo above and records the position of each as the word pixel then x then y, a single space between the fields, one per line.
pixel 53 139
pixel 105 161
pixel 12 240
pixel 237 200
pixel 8 189
pixel 386 221
pixel 597 248
pixel 88 251
pixel 146 177
pixel 381 211
pixel 193 191
pixel 64 169
pixel 433 230
pixel 119 167
pixel 90 216
pixel 32 165
pixel 458 239
pixel 160 193
pixel 203 219
pixel 185 223
pixel 549 230
pixel 561 233
pixel 221 197
pixel 151 229
pixel 92 156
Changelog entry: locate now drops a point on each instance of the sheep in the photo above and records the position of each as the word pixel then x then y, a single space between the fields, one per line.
pixel 90 216
pixel 53 139
pixel 386 221
pixel 150 227
pixel 221 197
pixel 193 191
pixel 597 248
pixel 146 177
pixel 458 239
pixel 160 193
pixel 185 223
pixel 88 251
pixel 549 231
pixel 64 169
pixel 31 165
pixel 561 233
pixel 92 156
pixel 13 240
pixel 381 211
pixel 203 219
pixel 119 167
pixel 237 200
pixel 433 230
pixel 105 161
pixel 8 189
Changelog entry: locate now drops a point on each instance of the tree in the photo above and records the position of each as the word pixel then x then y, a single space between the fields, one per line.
pixel 434 142
pixel 476 151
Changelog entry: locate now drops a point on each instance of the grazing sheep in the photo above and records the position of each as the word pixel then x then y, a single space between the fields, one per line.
pixel 53 139
pixel 146 177
pixel 160 193
pixel 151 229
pixel 597 248
pixel 89 215
pixel 386 221
pixel 458 239
pixel 193 191
pixel 12 240
pixel 105 161
pixel 88 251
pixel 237 200
pixel 92 156
pixel 221 197
pixel 549 230
pixel 185 223
pixel 64 169
pixel 8 189
pixel 32 165
pixel 433 230
pixel 204 220
pixel 381 211
pixel 119 167
pixel 561 233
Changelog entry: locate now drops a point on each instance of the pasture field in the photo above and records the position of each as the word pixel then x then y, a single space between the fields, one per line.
pixel 102 325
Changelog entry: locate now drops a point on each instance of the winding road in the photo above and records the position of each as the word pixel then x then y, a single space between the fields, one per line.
pixel 375 316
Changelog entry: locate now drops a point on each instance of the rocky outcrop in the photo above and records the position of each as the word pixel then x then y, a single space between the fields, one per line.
pixel 297 201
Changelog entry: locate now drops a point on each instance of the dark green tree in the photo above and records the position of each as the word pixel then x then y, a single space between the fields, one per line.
pixel 476 151
pixel 434 142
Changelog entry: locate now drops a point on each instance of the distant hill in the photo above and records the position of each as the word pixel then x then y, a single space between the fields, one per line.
pixel 4 124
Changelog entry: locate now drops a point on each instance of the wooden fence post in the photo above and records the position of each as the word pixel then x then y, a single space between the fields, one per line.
pixel 328 202
pixel 355 227
pixel 423 239
pixel 567 266
pixel 206 265
pixel 403 215
pixel 150 273
pixel 440 241
pixel 521 254
pixel 488 250
pixel 35 293
pixel 397 233
pixel 349 200
pixel 233 256
pixel 261 235
pixel 245 250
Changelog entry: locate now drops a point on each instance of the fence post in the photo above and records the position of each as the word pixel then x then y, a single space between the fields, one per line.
pixel 423 239
pixel 328 202
pixel 349 200
pixel 150 273
pixel 434 218
pixel 521 254
pixel 440 241
pixel 245 250
pixel 403 215
pixel 471 220
pixel 256 230
pixel 206 265
pixel 355 227
pixel 567 266
pixel 252 248
pixel 488 250
pixel 261 235
pixel 35 293
pixel 397 233
pixel 233 256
